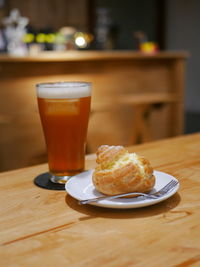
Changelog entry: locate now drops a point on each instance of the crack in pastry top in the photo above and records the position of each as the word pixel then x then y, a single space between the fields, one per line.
pixel 111 153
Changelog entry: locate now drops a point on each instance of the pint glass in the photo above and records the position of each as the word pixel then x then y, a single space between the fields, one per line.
pixel 64 109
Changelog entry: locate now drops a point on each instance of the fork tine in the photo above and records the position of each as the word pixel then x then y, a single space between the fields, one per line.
pixel 168 186
pixel 171 185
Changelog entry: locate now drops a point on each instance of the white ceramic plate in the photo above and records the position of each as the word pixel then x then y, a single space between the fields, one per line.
pixel 81 187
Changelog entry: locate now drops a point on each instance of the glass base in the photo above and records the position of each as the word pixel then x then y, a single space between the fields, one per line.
pixel 59 179
pixel 51 182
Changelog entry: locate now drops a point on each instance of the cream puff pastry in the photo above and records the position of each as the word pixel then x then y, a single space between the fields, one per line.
pixel 119 171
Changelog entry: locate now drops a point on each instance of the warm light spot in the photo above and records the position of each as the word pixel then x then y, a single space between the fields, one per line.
pixel 80 41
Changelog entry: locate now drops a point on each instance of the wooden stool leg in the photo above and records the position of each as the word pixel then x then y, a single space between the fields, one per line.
pixel 141 128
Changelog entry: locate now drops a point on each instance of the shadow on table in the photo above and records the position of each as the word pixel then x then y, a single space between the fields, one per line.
pixel 94 211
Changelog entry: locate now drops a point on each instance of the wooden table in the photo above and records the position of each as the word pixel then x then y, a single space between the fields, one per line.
pixel 48 228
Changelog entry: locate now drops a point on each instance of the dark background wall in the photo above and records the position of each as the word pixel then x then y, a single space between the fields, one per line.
pixel 130 16
pixel 182 33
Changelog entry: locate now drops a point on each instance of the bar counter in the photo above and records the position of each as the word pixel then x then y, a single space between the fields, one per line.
pixel 92 55
pixel 136 98
pixel 43 227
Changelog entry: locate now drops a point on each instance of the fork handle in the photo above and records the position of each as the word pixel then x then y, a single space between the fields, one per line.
pixel 86 201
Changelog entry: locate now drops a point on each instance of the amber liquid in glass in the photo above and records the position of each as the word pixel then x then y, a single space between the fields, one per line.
pixel 65 123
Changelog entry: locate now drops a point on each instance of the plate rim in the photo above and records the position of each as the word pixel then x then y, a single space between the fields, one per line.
pixel 128 205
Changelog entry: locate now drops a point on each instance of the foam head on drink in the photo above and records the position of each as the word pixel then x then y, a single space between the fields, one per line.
pixel 64 110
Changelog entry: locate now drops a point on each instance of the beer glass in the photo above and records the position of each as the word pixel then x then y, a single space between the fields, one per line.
pixel 64 109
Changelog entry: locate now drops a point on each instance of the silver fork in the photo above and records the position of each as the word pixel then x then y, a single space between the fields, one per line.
pixel 155 195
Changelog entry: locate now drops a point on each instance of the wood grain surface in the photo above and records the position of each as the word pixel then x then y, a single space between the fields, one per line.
pixel 48 228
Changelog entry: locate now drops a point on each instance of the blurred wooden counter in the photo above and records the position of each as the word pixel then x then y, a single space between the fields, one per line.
pixel 136 98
